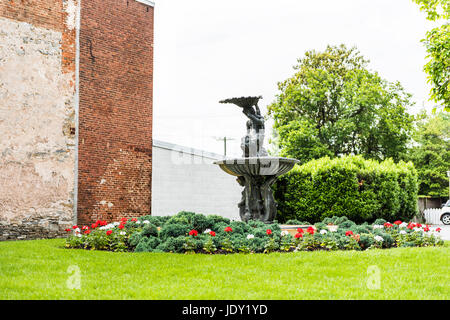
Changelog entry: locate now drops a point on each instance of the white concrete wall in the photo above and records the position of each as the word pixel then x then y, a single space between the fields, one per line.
pixel 182 181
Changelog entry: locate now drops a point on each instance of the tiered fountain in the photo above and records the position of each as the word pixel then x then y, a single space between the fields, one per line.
pixel 255 171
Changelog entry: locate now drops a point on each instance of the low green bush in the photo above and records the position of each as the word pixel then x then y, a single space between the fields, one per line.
pixel 195 233
pixel 362 190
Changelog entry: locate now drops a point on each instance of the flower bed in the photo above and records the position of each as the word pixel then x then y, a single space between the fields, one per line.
pixel 188 232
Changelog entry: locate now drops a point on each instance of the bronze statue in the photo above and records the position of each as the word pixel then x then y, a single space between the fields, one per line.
pixel 252 142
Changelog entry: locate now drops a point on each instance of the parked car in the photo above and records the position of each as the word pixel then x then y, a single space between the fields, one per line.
pixel 445 214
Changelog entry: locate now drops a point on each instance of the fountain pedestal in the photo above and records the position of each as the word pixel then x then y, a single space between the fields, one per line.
pixel 256 175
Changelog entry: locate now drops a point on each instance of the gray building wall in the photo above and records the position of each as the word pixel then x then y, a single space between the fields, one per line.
pixel 185 179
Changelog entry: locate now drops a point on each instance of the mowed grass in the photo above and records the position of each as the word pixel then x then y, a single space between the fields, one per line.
pixel 39 270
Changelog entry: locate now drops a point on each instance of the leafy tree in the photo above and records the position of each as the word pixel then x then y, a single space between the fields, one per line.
pixel 334 106
pixel 431 154
pixel 437 42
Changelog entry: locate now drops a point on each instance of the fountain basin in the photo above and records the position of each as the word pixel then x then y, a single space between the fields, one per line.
pixel 257 166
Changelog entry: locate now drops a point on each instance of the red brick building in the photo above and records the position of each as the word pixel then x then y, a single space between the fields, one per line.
pixel 76 91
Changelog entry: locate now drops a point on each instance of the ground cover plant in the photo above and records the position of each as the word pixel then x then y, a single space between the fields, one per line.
pixel 188 232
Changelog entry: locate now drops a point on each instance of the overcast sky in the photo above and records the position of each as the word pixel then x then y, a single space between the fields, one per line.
pixel 208 50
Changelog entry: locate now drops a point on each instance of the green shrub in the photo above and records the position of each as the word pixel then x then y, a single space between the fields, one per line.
pixel 362 190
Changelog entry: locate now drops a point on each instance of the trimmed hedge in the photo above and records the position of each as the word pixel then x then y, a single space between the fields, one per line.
pixel 363 190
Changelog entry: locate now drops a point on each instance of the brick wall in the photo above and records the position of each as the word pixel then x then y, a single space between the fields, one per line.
pixel 115 110
pixel 37 117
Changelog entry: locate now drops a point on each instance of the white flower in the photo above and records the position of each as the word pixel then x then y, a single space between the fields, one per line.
pixel 116 223
pixel 122 233
pixel 207 231
pixel 403 225
pixel 78 235
pixel 103 228
pixel 250 236
pixel 323 231
pixel 146 221
pixel 138 222
pixel 417 229
pixel 402 232
pixel 378 226
pixel 77 230
pixel 284 233
pixel 378 238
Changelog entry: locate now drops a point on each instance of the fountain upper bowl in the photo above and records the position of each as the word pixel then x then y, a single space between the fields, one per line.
pixel 256 166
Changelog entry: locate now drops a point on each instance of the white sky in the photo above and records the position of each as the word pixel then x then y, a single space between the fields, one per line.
pixel 209 50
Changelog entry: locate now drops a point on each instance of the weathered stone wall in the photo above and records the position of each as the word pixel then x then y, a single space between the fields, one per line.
pixel 37 117
pixel 115 128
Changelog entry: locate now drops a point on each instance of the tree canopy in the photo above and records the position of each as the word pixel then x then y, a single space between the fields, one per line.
pixel 333 105
pixel 431 154
pixel 437 43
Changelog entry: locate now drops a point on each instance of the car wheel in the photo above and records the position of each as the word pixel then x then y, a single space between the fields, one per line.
pixel 445 218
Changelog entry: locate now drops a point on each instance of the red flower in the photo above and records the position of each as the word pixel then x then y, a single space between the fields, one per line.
pixel 349 233
pixel 87 231
pixel 103 223
pixel 212 233
pixel 310 230
pixel 387 225
pixel 74 227
pixel 108 232
pixel 397 222
pixel 94 225
pixel 426 229
pixel 123 220
pixel 298 235
pixel 438 229
pixel 193 233
pixel 120 226
pixel 228 229
pixel 68 230
pixel 418 225
pixel 134 219
pixel 85 228
pixel 300 230
pixel 411 226
pixel 269 232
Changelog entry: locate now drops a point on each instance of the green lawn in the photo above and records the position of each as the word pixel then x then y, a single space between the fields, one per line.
pixel 38 270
